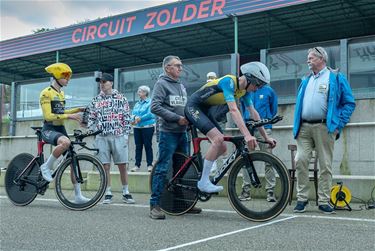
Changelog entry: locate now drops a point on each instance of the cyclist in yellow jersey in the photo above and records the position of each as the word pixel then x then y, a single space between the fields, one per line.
pixel 226 90
pixel 52 101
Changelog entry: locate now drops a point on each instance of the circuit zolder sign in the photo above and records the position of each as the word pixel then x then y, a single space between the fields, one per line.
pixel 129 24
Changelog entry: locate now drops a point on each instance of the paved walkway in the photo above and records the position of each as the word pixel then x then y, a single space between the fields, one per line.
pixel 47 225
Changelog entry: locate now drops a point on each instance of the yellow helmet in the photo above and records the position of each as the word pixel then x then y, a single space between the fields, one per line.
pixel 59 70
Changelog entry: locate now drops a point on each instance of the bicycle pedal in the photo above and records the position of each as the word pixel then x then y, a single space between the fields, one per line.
pixel 208 194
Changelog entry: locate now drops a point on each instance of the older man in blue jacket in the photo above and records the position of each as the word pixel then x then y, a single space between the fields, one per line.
pixel 324 105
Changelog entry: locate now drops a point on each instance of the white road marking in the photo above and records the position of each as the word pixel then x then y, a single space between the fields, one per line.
pixel 331 217
pixel 226 234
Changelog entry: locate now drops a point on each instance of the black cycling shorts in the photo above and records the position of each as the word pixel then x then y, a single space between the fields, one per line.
pixel 51 133
pixel 203 116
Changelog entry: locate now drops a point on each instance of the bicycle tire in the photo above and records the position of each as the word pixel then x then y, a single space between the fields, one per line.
pixel 22 193
pixel 258 208
pixel 178 200
pixel 93 188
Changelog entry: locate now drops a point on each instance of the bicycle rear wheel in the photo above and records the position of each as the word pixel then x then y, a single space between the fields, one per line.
pixel 92 188
pixel 182 194
pixel 275 177
pixel 21 193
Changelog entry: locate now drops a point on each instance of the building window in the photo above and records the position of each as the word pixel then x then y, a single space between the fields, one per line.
pixel 27 104
pixel 5 115
pixel 288 66
pixel 193 76
pixel 362 67
pixel 78 93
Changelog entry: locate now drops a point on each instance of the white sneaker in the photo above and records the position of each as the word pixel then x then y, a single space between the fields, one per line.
pixel 135 169
pixel 149 169
pixel 80 199
pixel 46 172
pixel 208 187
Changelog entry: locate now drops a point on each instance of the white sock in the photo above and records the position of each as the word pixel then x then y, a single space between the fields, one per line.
pixel 77 189
pixel 207 165
pixel 108 191
pixel 125 189
pixel 50 161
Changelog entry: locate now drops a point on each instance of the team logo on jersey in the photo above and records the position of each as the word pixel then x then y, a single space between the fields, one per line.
pixel 57 107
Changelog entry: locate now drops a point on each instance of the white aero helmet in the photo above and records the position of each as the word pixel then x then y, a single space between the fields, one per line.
pixel 211 76
pixel 256 73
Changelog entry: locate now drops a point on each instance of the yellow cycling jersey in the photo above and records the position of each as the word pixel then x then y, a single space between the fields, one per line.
pixel 53 106
pixel 226 90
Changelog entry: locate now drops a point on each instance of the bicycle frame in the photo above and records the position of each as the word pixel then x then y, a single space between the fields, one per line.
pixel 39 158
pixel 239 150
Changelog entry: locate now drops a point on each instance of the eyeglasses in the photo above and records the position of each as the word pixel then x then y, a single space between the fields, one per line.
pixel 176 65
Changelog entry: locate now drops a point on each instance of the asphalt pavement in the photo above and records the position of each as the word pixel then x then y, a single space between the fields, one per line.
pixel 46 225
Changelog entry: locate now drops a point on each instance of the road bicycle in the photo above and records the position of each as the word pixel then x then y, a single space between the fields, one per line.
pixel 23 179
pixel 180 193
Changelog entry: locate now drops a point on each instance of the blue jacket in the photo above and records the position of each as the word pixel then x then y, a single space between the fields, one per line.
pixel 264 101
pixel 142 109
pixel 340 103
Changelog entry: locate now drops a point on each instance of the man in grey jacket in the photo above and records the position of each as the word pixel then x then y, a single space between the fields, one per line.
pixel 168 103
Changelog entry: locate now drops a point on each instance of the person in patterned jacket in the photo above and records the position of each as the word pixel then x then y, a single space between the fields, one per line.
pixel 109 111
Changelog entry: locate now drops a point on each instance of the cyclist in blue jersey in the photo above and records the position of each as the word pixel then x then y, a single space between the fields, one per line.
pixel 226 90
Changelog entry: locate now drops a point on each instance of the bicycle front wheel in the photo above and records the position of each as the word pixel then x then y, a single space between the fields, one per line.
pixel 263 203
pixel 181 195
pixel 20 192
pixel 91 190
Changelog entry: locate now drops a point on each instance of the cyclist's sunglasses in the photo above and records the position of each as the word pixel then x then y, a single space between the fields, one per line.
pixel 66 75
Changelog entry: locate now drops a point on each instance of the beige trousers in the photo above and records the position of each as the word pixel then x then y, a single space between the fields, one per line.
pixel 314 136
pixel 269 171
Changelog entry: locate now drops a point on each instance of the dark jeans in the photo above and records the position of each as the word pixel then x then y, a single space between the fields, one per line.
pixel 169 144
pixel 143 137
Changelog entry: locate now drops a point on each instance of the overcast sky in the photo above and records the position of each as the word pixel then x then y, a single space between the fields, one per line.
pixel 20 17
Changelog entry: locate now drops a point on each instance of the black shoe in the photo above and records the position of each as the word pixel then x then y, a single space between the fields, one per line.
pixel 195 210
pixel 128 199
pixel 156 213
pixel 107 199
pixel 301 206
pixel 245 193
pixel 326 209
pixel 271 197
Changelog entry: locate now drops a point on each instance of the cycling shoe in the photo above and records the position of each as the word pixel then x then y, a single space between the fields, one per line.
pixel 208 187
pixel 46 172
